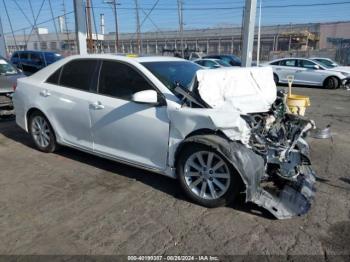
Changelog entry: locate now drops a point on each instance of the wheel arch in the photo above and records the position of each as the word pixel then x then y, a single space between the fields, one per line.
pixel 328 77
pixel 215 140
pixel 36 109
pixel 198 132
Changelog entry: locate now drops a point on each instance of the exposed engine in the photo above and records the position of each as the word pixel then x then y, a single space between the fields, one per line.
pixel 277 137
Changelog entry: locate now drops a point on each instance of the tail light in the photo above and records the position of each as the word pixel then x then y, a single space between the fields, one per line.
pixel 14 86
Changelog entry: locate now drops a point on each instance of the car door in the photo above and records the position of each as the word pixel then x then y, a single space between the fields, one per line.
pixel 308 74
pixel 123 129
pixel 285 68
pixel 66 97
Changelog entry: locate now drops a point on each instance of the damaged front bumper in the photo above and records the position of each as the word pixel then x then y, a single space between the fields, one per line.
pixel 293 200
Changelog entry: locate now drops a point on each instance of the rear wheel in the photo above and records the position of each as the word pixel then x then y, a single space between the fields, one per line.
pixel 206 177
pixel 331 83
pixel 42 133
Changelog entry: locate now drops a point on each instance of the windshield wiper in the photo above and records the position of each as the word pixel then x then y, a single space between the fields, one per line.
pixel 189 95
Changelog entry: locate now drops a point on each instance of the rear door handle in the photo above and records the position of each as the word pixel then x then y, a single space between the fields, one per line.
pixel 97 105
pixel 45 93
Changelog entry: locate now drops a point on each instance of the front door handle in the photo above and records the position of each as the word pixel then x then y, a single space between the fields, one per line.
pixel 97 105
pixel 45 93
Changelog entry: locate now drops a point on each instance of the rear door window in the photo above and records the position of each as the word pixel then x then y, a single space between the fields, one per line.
pixel 288 62
pixel 79 74
pixel 55 77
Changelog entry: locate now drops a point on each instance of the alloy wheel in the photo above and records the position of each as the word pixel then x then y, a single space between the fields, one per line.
pixel 207 175
pixel 40 131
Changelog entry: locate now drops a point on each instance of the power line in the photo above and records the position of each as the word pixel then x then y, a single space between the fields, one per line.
pixel 235 7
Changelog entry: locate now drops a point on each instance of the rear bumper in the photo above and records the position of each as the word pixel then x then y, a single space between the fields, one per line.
pixel 5 100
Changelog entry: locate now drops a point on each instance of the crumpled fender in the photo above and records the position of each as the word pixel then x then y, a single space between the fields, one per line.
pixel 293 200
pixel 249 165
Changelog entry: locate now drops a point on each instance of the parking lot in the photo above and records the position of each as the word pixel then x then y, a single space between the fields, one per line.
pixel 70 202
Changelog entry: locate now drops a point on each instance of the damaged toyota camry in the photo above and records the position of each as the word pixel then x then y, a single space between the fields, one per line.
pixel 219 132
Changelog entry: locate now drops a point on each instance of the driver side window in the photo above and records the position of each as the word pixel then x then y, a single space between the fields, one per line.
pixel 306 64
pixel 121 81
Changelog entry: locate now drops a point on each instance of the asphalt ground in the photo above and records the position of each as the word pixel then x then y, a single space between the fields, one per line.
pixel 72 203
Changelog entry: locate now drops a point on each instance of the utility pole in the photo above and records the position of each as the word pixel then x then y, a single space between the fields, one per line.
pixel 248 28
pixel 116 44
pixel 181 27
pixel 66 24
pixel 3 52
pixel 89 28
pixel 138 29
pixel 114 4
pixel 259 33
pixel 80 26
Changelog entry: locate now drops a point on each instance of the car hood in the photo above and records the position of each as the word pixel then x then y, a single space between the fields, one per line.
pixel 246 90
pixel 341 69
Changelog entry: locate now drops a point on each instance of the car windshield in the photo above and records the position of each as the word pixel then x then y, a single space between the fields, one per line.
pixel 326 63
pixel 6 68
pixel 170 72
pixel 52 57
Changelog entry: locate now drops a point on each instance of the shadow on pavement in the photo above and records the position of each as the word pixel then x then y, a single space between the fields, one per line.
pixel 157 181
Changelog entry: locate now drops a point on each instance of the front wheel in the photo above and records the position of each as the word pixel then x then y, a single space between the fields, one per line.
pixel 206 176
pixel 42 132
pixel 331 83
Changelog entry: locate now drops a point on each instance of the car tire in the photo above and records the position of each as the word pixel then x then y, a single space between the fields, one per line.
pixel 275 78
pixel 219 182
pixel 331 83
pixel 42 132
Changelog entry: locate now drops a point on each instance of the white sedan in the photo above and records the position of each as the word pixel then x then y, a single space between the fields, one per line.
pixel 307 72
pixel 165 115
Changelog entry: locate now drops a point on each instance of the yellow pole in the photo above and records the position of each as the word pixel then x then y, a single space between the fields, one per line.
pixel 290 79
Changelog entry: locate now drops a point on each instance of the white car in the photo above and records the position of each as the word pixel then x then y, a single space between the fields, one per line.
pixel 307 72
pixel 166 115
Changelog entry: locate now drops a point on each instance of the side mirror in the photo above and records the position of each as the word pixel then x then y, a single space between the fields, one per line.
pixel 316 67
pixel 145 97
pixel 215 66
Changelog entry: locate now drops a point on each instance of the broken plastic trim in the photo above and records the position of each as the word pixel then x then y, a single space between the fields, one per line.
pixel 321 133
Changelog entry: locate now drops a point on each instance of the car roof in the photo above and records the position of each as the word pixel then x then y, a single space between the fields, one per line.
pixel 36 51
pixel 289 58
pixel 140 59
pixel 323 58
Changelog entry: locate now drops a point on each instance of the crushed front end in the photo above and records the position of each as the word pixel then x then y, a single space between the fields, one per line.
pixel 287 186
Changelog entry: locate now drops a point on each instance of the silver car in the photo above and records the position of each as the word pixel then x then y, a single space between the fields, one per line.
pixel 211 63
pixel 8 78
pixel 307 72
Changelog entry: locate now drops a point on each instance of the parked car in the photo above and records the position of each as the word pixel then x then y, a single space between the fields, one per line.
pixel 231 59
pixel 329 63
pixel 219 132
pixel 211 63
pixel 306 72
pixel 32 61
pixel 8 77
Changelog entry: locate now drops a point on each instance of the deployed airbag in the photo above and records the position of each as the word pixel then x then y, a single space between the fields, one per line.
pixel 248 90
